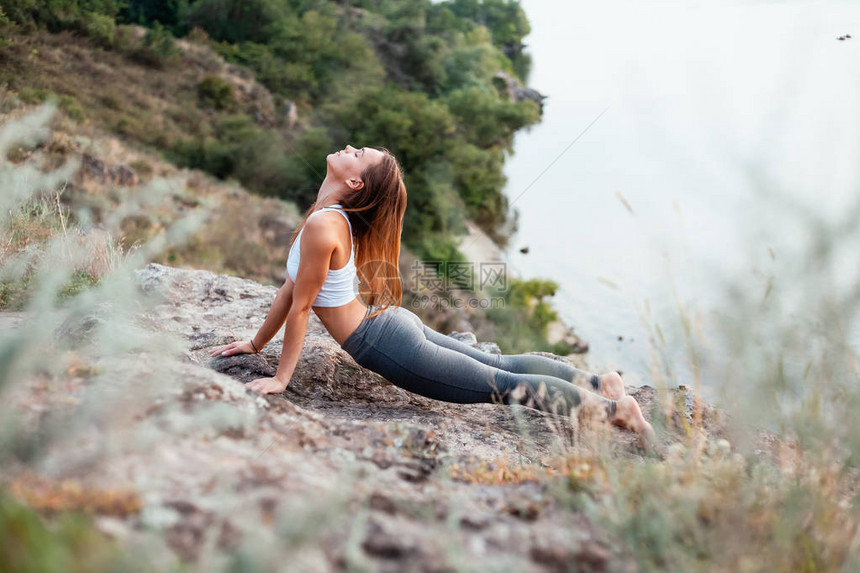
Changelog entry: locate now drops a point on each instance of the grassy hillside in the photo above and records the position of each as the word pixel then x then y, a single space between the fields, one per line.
pixel 239 233
pixel 418 78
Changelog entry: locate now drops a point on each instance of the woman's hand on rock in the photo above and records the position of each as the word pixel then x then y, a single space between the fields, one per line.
pixel 267 385
pixel 238 347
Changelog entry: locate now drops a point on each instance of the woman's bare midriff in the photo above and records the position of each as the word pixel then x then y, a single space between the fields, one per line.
pixel 341 321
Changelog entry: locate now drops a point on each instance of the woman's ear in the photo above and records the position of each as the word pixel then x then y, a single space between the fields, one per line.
pixel 355 183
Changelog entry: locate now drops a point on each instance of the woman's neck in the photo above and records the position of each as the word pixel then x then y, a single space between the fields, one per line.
pixel 329 194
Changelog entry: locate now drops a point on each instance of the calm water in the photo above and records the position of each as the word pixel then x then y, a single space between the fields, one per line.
pixel 715 117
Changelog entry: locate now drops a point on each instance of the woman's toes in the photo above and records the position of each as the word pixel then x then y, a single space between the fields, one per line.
pixel 629 415
pixel 612 386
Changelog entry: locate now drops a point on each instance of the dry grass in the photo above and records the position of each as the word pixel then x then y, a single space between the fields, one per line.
pixel 149 106
pixel 56 496
pixel 576 471
pixel 84 210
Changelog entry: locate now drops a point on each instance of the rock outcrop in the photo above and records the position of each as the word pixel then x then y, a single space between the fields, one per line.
pixel 517 92
pixel 343 470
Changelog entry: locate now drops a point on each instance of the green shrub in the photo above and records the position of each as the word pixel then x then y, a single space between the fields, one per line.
pixel 439 247
pixel 14 292
pixel 72 107
pixel 158 49
pixel 5 30
pixel 59 15
pixel 77 282
pixel 262 165
pixel 306 164
pixel 521 324
pixel 124 39
pixel 101 29
pixel 215 92
pixel 197 35
pixel 237 21
pixel 34 95
pixel 489 120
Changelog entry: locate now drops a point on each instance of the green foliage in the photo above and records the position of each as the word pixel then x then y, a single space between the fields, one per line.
pixel 79 281
pixel 262 164
pixel 237 147
pixel 440 247
pixel 295 79
pixel 505 19
pixel 170 13
pixel 306 164
pixel 14 292
pixel 315 53
pixel 521 64
pixel 237 21
pixel 412 126
pixel 473 62
pixel 101 28
pixel 69 543
pixel 306 56
pixel 521 324
pixel 487 121
pixel 34 95
pixel 59 15
pixel 5 25
pixel 414 77
pixel 159 48
pixel 215 92
pixel 478 173
pixel 72 107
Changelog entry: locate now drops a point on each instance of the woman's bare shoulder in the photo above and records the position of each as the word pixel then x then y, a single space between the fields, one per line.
pixel 320 233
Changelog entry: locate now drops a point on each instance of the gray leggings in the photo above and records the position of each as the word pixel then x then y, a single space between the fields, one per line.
pixel 397 345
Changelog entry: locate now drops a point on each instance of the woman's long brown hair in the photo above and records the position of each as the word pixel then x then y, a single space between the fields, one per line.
pixel 376 214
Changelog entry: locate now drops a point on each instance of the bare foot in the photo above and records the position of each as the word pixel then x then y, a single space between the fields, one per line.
pixel 629 415
pixel 612 386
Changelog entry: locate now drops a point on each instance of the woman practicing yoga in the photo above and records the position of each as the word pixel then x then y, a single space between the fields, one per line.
pixel 362 201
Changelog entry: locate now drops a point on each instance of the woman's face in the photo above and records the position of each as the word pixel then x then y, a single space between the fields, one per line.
pixel 348 163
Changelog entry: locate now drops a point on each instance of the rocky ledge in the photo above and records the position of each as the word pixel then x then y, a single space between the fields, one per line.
pixel 345 470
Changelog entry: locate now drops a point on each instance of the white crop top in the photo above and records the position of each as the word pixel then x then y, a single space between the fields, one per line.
pixel 341 285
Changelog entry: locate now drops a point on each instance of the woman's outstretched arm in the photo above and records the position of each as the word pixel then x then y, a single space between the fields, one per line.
pixel 318 244
pixel 277 314
pixel 274 320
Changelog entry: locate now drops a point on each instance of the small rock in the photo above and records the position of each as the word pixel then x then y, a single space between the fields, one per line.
pixel 381 543
pixel 380 502
pixel 94 167
pixel 467 337
pixel 124 175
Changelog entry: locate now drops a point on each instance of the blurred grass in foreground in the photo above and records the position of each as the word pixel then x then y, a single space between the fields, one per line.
pixel 77 292
pixel 780 354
